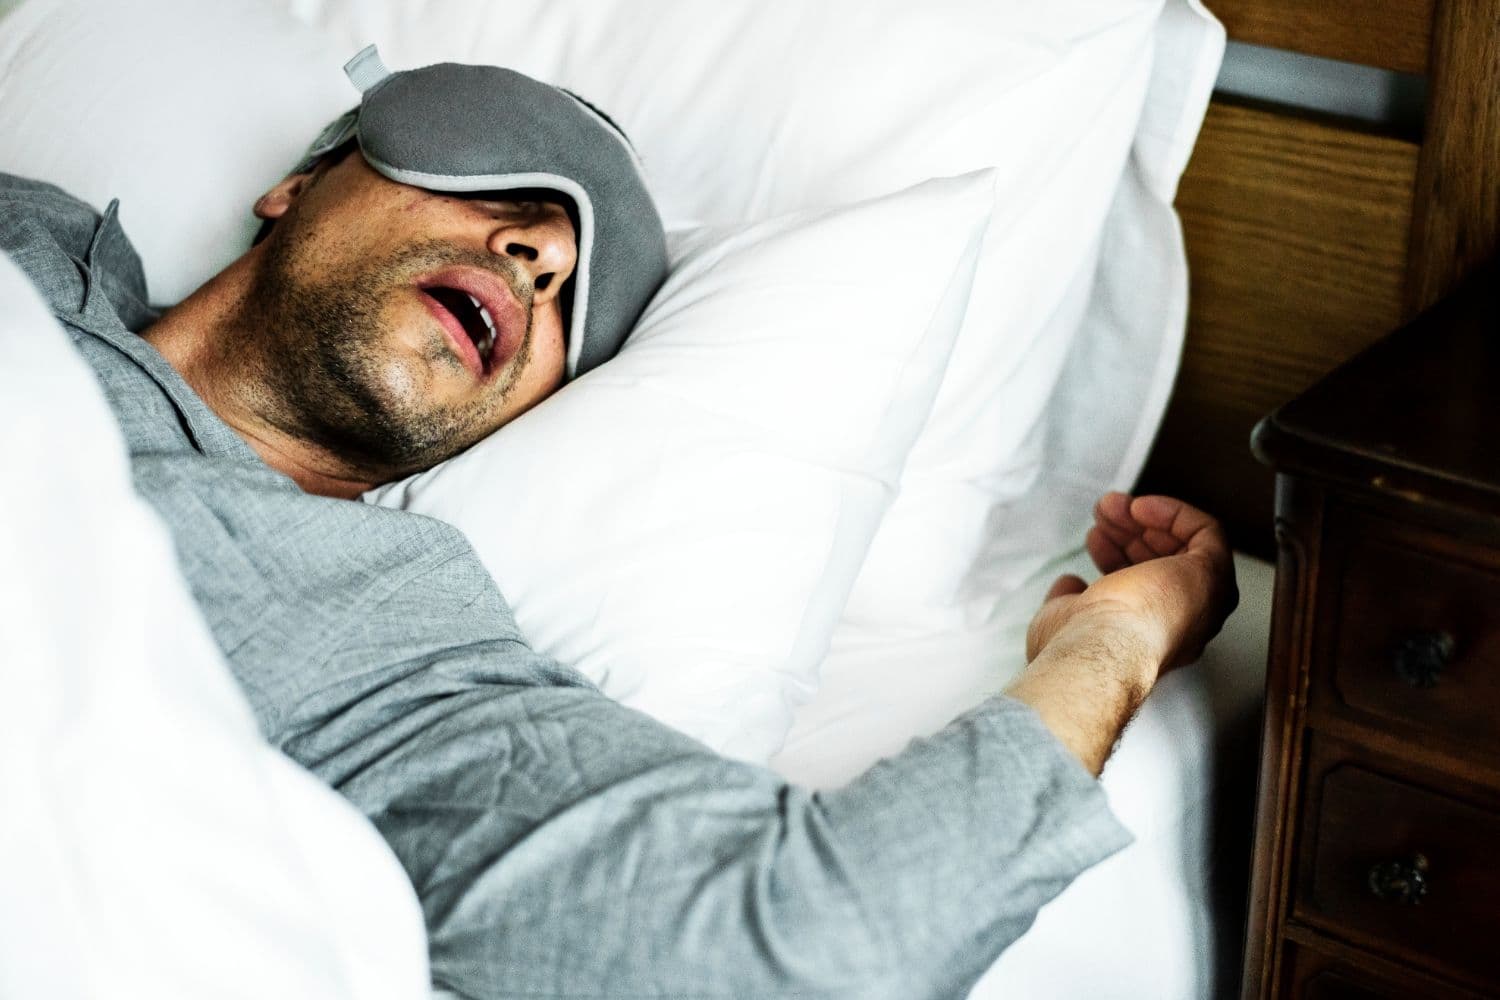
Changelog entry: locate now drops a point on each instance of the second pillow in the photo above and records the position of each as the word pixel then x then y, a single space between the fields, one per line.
pixel 684 524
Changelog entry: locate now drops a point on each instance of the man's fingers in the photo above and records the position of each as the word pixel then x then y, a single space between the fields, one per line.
pixel 1138 538
pixel 1120 535
pixel 1112 519
pixel 1170 515
pixel 1139 551
pixel 1162 543
pixel 1166 518
pixel 1130 530
pixel 1114 509
pixel 1106 554
pixel 1123 540
pixel 1067 584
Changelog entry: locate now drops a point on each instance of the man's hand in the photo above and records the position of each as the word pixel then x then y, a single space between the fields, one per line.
pixel 1169 577
pixel 1096 650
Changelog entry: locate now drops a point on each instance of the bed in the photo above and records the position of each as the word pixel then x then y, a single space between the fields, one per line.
pixel 1307 238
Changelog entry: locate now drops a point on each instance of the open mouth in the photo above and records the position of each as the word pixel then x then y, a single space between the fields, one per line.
pixel 473 318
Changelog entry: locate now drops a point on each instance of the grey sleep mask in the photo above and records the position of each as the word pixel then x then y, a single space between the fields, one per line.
pixel 453 127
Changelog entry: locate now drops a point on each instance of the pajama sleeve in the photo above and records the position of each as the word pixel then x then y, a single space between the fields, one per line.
pixel 563 845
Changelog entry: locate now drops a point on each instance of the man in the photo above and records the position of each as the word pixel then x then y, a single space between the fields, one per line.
pixel 561 845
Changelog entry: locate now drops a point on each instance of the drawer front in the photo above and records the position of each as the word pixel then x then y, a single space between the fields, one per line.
pixel 1415 648
pixel 1312 975
pixel 1401 869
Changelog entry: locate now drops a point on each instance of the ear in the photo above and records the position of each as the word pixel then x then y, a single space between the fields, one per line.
pixel 275 202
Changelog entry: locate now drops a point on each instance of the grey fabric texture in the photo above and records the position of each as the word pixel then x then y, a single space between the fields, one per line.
pixel 561 844
pixel 456 127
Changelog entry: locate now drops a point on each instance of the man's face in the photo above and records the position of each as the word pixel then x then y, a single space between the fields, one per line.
pixel 368 336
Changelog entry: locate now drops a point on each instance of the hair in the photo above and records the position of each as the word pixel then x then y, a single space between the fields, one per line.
pixel 607 119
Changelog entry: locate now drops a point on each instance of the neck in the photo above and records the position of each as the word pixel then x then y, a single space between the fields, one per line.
pixel 196 337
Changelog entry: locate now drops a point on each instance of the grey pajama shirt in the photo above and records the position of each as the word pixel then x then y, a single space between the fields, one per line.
pixel 561 845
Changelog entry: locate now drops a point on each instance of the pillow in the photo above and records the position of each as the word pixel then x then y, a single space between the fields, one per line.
pixel 184 111
pixel 683 524
pixel 743 109
pixel 1113 386
pixel 153 844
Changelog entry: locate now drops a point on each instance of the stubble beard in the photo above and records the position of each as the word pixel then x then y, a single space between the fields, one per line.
pixel 317 349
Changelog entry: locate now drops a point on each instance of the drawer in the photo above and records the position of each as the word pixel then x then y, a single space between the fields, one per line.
pixel 1400 869
pixel 1414 647
pixel 1313 975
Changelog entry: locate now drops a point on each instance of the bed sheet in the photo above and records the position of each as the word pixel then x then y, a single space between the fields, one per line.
pixel 1162 919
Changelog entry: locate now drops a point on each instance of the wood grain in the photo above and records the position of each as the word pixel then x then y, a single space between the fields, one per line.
pixel 1456 216
pixel 1296 236
pixel 1325 968
pixel 1391 34
pixel 1299 530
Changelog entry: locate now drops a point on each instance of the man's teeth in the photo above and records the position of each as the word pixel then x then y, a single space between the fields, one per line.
pixel 487 344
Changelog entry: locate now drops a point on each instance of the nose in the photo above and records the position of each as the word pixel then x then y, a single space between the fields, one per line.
pixel 541 240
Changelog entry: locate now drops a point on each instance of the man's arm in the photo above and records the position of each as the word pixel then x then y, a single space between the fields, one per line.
pixel 1095 652
pixel 563 845
pixel 1085 686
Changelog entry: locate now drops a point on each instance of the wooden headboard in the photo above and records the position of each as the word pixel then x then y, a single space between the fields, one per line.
pixel 1309 237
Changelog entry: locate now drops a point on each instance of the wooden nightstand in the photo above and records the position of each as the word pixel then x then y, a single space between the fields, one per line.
pixel 1377 853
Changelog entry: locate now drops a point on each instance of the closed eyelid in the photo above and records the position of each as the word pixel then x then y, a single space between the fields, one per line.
pixel 511 199
pixel 490 200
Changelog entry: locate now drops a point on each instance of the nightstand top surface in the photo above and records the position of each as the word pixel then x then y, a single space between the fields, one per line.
pixel 1418 413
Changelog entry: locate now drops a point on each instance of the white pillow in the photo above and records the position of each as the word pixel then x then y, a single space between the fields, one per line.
pixel 1113 387
pixel 743 109
pixel 184 111
pixel 684 523
pixel 152 843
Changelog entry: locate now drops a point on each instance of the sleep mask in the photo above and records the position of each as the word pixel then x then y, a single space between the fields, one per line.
pixel 454 127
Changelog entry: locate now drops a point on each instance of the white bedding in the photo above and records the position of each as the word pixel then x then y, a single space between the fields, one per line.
pixel 151 843
pixel 1141 925
pixel 1161 919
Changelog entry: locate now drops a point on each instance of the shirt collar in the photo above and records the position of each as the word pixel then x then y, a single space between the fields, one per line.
pixel 116 320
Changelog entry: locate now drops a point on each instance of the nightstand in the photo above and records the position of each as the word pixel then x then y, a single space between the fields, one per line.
pixel 1377 849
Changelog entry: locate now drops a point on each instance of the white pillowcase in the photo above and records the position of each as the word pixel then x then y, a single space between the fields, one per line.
pixel 684 523
pixel 1112 389
pixel 184 111
pixel 152 844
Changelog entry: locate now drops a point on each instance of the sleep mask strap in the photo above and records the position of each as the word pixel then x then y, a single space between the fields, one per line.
pixel 365 70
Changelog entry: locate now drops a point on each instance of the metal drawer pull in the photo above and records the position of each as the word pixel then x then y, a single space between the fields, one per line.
pixel 1420 657
pixel 1400 881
